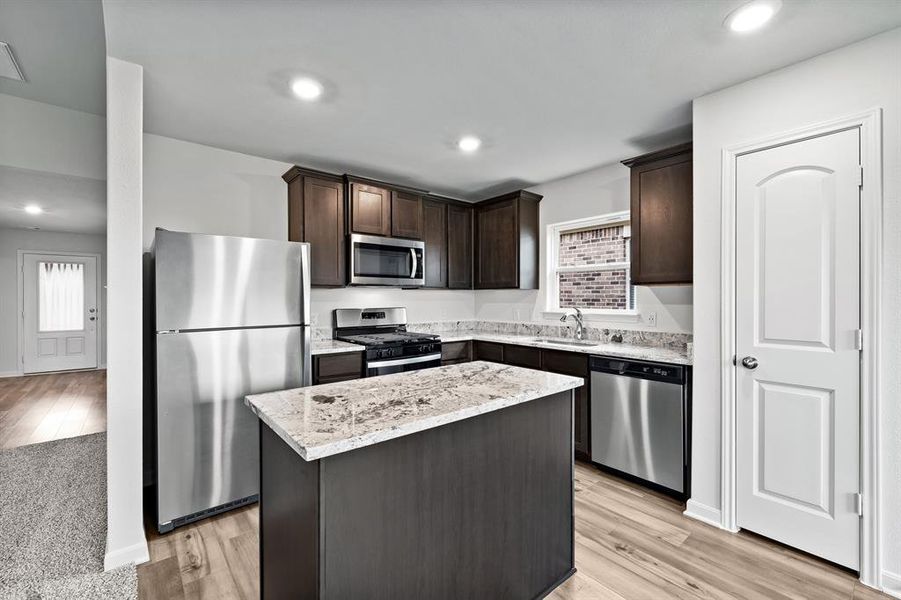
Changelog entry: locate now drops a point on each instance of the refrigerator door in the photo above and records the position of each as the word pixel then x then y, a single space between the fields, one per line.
pixel 214 281
pixel 207 439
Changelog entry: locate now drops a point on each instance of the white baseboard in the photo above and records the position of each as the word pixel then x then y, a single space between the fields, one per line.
pixel 703 513
pixel 891 584
pixel 136 553
pixel 9 374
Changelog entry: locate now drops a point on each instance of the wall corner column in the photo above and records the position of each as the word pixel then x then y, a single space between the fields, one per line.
pixel 125 540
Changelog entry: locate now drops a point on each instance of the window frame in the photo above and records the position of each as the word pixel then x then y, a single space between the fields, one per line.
pixel 554 231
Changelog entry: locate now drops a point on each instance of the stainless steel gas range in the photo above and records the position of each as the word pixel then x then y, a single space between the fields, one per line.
pixel 390 348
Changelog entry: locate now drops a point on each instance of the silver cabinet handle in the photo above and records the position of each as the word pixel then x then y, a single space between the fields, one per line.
pixel 749 362
pixel 415 263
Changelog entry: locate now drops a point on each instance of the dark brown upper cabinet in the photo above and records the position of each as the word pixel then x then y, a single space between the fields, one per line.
pixel 406 215
pixel 506 242
pixel 370 209
pixel 316 216
pixel 662 216
pixel 459 246
pixel 434 234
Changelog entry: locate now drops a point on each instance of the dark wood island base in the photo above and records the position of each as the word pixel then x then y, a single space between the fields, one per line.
pixel 479 508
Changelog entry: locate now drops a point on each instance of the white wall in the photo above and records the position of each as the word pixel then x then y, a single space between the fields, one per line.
pixel 125 542
pixel 13 240
pixel 43 137
pixel 844 82
pixel 589 194
pixel 190 187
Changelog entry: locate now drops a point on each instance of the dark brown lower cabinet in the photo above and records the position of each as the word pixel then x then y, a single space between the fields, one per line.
pixel 456 352
pixel 489 351
pixel 330 368
pixel 575 364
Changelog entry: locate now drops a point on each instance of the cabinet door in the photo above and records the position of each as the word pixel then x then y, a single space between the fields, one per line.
pixel 406 215
pixel 581 436
pixel 459 247
pixel 455 352
pixel 497 246
pixel 662 221
pixel 488 351
pixel 330 368
pixel 522 356
pixel 434 234
pixel 370 209
pixel 575 364
pixel 323 216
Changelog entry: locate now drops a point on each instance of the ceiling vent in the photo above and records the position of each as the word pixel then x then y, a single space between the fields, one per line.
pixel 9 68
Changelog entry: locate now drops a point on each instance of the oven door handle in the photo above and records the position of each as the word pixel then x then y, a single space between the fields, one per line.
pixel 397 362
pixel 415 263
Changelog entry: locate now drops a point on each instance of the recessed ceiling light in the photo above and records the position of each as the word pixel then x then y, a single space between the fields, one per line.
pixel 469 143
pixel 306 88
pixel 752 15
pixel 33 209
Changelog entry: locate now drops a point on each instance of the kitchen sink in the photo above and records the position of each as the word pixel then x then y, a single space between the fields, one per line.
pixel 566 341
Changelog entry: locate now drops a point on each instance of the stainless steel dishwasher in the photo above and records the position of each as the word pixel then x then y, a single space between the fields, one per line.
pixel 639 421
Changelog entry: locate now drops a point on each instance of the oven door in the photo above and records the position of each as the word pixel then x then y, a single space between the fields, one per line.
pixel 399 365
pixel 378 260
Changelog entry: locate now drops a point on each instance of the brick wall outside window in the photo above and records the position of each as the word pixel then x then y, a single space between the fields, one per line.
pixel 594 289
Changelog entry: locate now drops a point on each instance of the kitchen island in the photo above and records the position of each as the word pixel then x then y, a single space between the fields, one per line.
pixel 452 482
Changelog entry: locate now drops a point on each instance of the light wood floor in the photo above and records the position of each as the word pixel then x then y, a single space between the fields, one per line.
pixel 630 544
pixel 42 408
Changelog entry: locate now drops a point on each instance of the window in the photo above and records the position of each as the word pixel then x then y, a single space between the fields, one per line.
pixel 60 296
pixel 588 265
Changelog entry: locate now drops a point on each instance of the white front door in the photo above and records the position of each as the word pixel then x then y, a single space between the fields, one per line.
pixel 60 312
pixel 797 319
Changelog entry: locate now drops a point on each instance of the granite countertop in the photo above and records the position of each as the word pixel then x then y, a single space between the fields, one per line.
pixel 334 347
pixel 325 420
pixel 665 354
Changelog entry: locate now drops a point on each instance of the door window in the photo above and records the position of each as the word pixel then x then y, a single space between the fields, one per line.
pixel 60 296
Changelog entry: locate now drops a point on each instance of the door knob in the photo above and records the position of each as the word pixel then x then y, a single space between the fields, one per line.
pixel 749 362
pixel 92 318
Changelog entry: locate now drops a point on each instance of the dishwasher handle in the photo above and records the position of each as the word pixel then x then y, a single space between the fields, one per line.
pixel 641 369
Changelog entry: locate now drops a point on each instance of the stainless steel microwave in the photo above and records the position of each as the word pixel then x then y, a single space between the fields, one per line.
pixel 376 260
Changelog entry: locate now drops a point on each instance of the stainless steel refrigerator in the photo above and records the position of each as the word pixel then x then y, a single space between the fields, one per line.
pixel 231 319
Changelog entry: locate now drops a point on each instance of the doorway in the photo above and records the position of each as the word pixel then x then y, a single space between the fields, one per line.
pixel 60 311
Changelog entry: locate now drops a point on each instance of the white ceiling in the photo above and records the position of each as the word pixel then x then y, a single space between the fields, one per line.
pixel 71 204
pixel 554 87
pixel 60 48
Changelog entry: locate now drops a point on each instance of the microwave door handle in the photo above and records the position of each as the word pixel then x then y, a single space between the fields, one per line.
pixel 415 263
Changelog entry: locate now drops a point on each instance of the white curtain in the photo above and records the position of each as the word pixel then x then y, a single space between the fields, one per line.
pixel 61 296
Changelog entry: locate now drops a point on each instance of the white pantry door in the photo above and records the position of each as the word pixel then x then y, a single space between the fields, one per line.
pixel 797 318
pixel 60 312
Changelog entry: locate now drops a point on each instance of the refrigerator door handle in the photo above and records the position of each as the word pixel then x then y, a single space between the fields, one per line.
pixel 305 284
pixel 307 355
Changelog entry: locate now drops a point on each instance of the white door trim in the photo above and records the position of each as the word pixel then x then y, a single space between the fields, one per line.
pixel 870 124
pixel 20 302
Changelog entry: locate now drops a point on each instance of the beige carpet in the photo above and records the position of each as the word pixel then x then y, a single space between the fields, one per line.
pixel 53 523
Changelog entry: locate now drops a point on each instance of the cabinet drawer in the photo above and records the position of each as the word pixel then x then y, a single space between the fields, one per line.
pixel 523 356
pixel 456 351
pixel 338 367
pixel 567 363
pixel 488 351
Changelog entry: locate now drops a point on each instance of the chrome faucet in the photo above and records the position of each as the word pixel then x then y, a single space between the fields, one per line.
pixel 580 322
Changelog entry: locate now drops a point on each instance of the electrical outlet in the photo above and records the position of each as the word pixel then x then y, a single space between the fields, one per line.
pixel 650 319
pixel 517 314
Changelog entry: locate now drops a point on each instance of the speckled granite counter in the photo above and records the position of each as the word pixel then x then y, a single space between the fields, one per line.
pixel 334 347
pixel 663 354
pixel 329 419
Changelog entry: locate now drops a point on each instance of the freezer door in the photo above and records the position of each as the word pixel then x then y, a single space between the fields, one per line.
pixel 214 281
pixel 207 439
pixel 637 427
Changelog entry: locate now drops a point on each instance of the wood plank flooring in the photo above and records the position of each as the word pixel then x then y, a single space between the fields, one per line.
pixel 631 544
pixel 42 408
